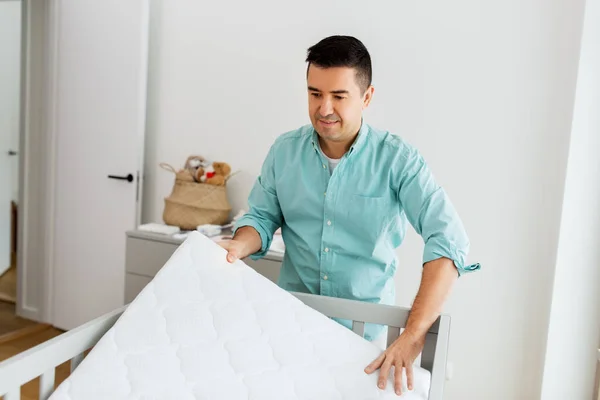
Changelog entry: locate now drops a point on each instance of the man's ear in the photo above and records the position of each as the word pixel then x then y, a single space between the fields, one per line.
pixel 368 96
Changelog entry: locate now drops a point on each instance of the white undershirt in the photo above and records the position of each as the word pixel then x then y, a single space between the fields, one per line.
pixel 333 162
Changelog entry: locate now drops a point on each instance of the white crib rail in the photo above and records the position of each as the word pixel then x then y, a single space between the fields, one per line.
pixel 434 355
pixel 41 360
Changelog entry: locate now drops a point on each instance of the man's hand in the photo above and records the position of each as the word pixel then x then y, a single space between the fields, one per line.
pixel 236 249
pixel 438 277
pixel 245 242
pixel 401 355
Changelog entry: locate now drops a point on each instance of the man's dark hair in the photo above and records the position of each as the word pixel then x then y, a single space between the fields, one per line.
pixel 343 51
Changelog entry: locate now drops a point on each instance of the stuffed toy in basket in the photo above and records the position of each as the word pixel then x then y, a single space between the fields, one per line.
pixel 199 194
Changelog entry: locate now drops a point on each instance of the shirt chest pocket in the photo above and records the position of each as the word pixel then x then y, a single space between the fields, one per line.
pixel 367 216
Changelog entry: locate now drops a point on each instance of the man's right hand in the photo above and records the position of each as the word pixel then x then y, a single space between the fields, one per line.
pixel 245 242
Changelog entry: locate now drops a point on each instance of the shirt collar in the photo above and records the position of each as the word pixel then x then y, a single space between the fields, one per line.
pixel 358 142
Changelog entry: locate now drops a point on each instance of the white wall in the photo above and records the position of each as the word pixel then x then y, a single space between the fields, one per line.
pixel 570 365
pixel 484 89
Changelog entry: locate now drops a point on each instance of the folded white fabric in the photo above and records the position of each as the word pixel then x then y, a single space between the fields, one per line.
pixel 181 235
pixel 209 229
pixel 159 228
pixel 206 329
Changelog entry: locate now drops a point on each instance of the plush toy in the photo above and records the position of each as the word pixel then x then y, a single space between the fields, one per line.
pixel 213 174
pixel 193 163
pixel 222 171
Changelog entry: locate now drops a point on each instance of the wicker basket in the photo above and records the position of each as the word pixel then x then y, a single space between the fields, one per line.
pixel 191 204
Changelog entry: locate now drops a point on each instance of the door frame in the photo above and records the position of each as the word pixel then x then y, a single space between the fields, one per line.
pixel 35 162
pixel 37 198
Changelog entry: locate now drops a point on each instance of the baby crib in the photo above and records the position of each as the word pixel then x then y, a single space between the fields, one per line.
pixel 42 360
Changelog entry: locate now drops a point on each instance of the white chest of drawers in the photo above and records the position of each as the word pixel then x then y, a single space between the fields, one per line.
pixel 148 252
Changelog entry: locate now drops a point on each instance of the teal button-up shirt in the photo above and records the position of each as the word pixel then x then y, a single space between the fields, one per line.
pixel 341 229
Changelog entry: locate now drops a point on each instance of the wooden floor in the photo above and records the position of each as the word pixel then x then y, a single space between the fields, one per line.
pixel 26 338
pixel 8 285
pixel 9 322
pixel 19 334
pixel 23 335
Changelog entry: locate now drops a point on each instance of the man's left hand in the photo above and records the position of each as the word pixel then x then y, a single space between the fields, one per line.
pixel 401 355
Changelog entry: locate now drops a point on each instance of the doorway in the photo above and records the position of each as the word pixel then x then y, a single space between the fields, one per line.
pixel 10 79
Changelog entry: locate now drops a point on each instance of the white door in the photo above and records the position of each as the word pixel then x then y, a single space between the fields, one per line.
pixel 99 120
pixel 10 61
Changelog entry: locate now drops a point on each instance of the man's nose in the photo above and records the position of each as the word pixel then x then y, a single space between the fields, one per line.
pixel 326 108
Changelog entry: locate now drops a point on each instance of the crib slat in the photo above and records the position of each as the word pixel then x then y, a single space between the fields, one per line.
pixel 75 361
pixel 31 363
pixel 358 327
pixel 435 356
pixel 14 394
pixel 47 384
pixel 393 334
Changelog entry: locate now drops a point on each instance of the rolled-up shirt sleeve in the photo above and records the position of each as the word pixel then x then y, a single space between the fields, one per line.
pixel 264 212
pixel 433 216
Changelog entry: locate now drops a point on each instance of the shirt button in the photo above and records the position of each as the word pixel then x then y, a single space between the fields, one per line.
pixel 326 249
pixel 325 277
pixel 328 222
pixel 324 166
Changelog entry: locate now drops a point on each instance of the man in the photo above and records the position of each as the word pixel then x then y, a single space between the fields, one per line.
pixel 342 193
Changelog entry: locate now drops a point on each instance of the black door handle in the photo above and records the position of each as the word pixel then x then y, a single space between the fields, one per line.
pixel 128 178
pixel 12 153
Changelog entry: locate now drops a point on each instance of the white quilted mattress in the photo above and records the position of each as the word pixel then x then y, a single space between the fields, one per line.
pixel 206 329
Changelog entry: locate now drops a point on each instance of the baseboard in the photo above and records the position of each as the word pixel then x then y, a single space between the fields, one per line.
pixel 29 313
pixel 6 298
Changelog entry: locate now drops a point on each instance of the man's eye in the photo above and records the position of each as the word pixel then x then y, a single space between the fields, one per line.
pixel 339 97
pixel 316 94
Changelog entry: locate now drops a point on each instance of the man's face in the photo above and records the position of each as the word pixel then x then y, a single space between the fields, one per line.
pixel 336 102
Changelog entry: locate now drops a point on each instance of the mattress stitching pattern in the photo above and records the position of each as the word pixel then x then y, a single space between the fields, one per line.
pixel 238 322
